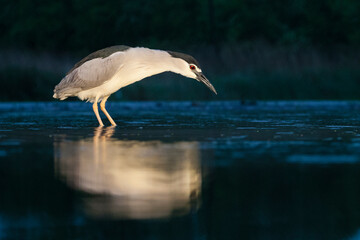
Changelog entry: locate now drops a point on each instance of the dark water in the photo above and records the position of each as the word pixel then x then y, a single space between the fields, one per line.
pixel 221 170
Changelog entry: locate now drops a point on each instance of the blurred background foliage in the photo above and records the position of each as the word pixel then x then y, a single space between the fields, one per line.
pixel 250 49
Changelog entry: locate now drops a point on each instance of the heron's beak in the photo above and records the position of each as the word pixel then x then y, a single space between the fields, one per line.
pixel 201 78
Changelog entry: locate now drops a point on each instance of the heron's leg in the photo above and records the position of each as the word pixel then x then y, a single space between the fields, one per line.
pixel 96 111
pixel 102 107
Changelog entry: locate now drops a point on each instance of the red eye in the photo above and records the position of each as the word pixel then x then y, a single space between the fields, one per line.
pixel 192 67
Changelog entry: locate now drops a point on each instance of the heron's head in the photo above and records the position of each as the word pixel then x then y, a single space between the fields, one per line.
pixel 189 67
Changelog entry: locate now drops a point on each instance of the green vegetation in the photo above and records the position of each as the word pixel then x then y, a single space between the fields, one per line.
pixel 324 84
pixel 26 84
pixel 88 25
pixel 250 49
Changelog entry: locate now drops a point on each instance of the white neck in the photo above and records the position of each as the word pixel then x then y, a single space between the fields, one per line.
pixel 156 61
pixel 144 62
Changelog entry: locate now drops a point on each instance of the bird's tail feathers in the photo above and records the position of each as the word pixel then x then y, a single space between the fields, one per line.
pixel 59 97
pixel 65 92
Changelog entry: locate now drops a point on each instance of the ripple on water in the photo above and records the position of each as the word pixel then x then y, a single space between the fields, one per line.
pixel 285 133
pixel 24 123
pixel 260 121
pixel 337 126
pixel 10 143
pixel 323 159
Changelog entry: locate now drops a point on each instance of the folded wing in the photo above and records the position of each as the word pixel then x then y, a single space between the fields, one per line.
pixel 90 74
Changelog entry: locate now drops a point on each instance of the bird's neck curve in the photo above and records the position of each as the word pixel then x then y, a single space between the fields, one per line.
pixel 159 61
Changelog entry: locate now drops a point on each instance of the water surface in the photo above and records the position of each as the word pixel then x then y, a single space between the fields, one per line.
pixel 180 170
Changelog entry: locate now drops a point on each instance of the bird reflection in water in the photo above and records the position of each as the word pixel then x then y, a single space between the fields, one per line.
pixel 130 179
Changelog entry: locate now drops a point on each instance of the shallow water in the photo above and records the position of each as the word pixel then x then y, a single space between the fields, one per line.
pixel 180 170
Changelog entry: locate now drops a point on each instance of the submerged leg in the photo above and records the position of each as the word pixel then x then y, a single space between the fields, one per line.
pixel 102 107
pixel 96 111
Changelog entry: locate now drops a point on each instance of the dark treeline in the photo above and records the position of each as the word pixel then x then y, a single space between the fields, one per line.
pixel 79 25
pixel 250 49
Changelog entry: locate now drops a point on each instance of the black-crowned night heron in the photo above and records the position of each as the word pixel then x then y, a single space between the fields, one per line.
pixel 107 70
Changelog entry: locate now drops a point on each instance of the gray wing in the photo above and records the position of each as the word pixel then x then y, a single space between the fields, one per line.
pixel 102 53
pixel 90 74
